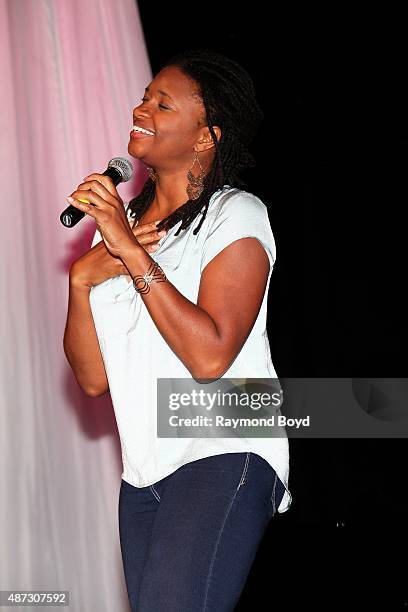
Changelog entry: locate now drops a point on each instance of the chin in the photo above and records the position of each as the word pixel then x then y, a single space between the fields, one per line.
pixel 130 151
pixel 137 154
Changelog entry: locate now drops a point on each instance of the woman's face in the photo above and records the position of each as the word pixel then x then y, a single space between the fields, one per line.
pixel 173 110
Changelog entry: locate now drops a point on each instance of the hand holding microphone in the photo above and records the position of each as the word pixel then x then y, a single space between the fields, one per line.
pixel 119 170
pixel 104 204
pixel 98 197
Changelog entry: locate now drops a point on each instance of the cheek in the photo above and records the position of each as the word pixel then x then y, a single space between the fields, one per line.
pixel 176 137
pixel 176 126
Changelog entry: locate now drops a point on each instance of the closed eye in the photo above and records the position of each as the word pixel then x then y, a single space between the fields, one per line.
pixel 161 105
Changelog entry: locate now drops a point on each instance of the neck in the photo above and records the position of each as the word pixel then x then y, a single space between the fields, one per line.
pixel 170 192
pixel 171 187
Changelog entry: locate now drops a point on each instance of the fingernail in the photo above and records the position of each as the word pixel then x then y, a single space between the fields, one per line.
pixel 157 222
pixel 162 233
pixel 70 199
pixel 154 247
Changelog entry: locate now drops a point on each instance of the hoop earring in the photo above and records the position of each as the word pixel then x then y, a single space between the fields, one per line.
pixel 195 185
pixel 152 175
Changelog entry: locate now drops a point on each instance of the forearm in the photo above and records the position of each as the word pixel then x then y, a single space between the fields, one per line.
pixel 81 344
pixel 189 331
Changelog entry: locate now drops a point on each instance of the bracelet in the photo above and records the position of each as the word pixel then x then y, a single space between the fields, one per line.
pixel 154 274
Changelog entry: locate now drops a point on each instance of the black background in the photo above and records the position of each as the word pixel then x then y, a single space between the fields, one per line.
pixel 331 167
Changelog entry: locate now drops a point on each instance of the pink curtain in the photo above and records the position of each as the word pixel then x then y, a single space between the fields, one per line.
pixel 72 71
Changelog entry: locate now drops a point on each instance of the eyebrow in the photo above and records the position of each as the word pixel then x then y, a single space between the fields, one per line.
pixel 161 92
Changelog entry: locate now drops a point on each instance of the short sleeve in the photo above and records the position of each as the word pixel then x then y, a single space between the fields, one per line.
pixel 97 236
pixel 241 215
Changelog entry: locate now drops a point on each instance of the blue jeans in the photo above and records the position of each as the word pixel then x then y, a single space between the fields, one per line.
pixel 189 540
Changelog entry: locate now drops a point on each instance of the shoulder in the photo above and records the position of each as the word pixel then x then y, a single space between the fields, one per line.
pixel 234 214
pixel 236 207
pixel 232 200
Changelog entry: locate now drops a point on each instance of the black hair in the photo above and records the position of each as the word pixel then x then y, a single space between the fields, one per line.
pixel 228 96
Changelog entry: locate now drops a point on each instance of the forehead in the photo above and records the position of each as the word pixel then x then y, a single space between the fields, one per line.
pixel 178 85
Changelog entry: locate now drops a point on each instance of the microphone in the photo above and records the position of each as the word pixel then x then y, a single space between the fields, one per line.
pixel 119 170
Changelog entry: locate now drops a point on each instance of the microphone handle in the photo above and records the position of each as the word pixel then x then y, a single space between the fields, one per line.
pixel 71 215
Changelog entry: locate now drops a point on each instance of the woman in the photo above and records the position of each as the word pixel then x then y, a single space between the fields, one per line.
pixel 185 302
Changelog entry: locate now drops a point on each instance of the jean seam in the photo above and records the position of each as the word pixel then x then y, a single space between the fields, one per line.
pixel 273 495
pixel 244 473
pixel 153 490
pixel 215 550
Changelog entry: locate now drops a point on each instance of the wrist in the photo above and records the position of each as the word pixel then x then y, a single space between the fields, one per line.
pixel 131 253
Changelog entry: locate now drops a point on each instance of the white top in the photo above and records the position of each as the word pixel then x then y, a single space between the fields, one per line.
pixel 135 353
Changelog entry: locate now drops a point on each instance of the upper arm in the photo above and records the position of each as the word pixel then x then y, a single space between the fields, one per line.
pixel 231 291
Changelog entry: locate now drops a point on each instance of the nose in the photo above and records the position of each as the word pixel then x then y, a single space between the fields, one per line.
pixel 141 109
pixel 140 114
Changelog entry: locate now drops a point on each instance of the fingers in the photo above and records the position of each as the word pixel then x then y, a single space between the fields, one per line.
pixel 148 233
pixel 92 203
pixel 100 189
pixel 92 206
pixel 145 227
pixel 105 181
pixel 148 236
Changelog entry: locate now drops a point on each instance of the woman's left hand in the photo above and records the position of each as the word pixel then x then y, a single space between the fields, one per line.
pixel 108 211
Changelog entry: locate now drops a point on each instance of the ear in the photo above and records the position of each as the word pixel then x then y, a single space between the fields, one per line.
pixel 205 140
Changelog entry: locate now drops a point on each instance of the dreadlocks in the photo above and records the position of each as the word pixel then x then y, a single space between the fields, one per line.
pixel 228 96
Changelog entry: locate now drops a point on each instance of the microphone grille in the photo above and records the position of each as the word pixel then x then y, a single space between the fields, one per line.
pixel 122 165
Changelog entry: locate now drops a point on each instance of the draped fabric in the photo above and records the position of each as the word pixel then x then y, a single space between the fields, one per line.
pixel 72 72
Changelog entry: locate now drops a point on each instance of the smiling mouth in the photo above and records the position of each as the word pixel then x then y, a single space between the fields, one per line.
pixel 140 130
